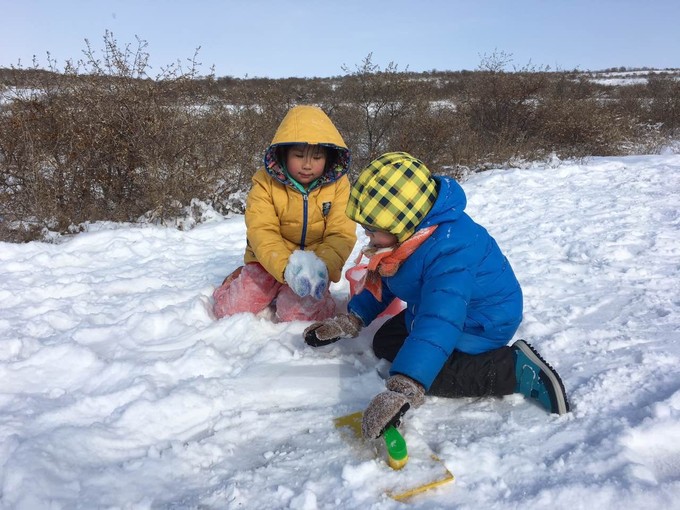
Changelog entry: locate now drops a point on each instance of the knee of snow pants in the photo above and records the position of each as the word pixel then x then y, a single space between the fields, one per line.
pixel 248 289
pixel 291 307
pixel 487 374
pixel 390 337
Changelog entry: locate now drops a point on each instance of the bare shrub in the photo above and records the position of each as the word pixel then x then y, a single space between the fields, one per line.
pixel 579 128
pixel 500 107
pixel 102 140
pixel 433 134
pixel 576 119
pixel 373 103
pixel 664 104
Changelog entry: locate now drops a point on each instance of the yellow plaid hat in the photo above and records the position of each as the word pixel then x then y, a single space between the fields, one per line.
pixel 393 193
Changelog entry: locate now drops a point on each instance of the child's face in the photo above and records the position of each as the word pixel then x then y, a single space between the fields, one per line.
pixel 306 163
pixel 380 238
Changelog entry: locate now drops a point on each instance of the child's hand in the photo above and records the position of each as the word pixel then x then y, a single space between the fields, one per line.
pixel 332 330
pixel 297 281
pixel 388 407
pixel 320 283
pixel 306 274
pixel 318 278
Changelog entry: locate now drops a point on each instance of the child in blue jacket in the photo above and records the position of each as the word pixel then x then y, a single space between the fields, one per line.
pixel 464 303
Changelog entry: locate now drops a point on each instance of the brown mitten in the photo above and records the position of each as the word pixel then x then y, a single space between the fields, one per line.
pixel 331 330
pixel 388 407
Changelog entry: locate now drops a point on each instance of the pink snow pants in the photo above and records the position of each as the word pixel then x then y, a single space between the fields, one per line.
pixel 251 288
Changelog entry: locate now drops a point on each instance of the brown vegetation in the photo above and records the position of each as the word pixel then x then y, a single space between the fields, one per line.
pixel 101 140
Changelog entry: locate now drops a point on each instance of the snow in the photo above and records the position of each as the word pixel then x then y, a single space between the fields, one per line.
pixel 632 77
pixel 621 82
pixel 119 390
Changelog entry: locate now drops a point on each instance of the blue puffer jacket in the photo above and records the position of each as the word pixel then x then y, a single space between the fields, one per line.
pixel 460 290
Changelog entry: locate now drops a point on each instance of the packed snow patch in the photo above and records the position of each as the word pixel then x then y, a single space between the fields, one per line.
pixel 120 390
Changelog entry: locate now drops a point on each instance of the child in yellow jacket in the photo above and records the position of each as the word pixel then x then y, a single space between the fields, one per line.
pixel 298 236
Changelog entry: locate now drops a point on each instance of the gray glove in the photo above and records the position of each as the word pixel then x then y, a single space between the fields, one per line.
pixel 388 407
pixel 331 330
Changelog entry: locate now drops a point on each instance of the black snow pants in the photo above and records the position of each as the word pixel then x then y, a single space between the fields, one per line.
pixel 491 373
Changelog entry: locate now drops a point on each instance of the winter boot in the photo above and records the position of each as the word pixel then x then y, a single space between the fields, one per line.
pixel 537 380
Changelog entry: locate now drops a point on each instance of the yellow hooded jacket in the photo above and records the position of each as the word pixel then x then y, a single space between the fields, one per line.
pixel 281 218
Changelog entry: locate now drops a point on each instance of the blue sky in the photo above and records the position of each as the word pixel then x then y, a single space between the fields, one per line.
pixel 309 38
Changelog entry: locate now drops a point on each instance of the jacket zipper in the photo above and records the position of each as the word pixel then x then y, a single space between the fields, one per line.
pixel 304 220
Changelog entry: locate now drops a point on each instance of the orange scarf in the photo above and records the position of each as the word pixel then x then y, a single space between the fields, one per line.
pixel 387 261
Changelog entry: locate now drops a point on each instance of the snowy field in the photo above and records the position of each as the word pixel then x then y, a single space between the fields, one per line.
pixel 119 390
pixel 624 78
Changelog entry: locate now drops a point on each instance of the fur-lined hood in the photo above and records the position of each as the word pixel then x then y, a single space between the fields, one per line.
pixel 308 125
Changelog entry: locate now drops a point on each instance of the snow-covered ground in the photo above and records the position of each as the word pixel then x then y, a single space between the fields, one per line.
pixel 624 78
pixel 620 78
pixel 119 390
